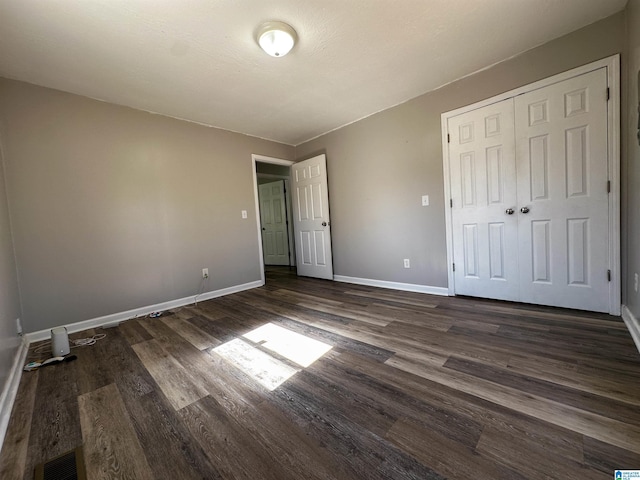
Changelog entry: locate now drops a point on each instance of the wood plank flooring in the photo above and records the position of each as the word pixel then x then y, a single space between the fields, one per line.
pixel 413 387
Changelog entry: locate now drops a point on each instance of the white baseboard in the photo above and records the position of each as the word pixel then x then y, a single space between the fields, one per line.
pixel 10 389
pixel 407 287
pixel 632 324
pixel 115 318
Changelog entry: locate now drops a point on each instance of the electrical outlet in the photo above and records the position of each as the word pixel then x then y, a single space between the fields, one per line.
pixel 205 273
pixel 425 200
pixel 19 325
pixel 635 282
pixel 244 214
pixel 407 263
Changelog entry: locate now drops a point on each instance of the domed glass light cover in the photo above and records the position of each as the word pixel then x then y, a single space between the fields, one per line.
pixel 276 38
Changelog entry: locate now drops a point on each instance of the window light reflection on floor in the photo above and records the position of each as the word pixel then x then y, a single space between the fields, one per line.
pixel 294 346
pixel 266 369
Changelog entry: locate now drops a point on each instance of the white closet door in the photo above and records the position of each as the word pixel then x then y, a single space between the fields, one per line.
pixel 561 147
pixel 483 191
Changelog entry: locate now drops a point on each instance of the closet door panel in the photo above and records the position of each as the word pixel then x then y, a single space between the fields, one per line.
pixel 483 188
pixel 561 151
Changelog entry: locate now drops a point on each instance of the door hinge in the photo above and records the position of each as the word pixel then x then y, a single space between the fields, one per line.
pixel 454 267
pixel 608 93
pixel 609 275
pixel 448 138
pixel 451 202
pixel 608 186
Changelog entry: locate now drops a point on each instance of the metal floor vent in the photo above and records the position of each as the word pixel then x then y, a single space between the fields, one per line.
pixel 68 466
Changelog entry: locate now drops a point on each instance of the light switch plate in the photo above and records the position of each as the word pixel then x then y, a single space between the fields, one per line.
pixel 425 200
pixel 244 214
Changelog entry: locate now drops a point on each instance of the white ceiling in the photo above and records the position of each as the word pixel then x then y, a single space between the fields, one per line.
pixel 198 59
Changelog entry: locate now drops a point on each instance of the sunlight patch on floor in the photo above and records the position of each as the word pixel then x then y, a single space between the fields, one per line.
pixel 264 368
pixel 268 371
pixel 294 346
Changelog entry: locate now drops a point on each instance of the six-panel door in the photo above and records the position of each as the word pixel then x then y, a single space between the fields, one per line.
pixel 483 190
pixel 561 142
pixel 312 224
pixel 273 218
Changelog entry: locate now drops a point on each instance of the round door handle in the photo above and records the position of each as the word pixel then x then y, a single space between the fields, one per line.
pixel 324 224
pixel 263 228
pixel 509 211
pixel 524 209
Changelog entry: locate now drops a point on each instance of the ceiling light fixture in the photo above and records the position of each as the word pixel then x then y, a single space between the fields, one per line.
pixel 276 38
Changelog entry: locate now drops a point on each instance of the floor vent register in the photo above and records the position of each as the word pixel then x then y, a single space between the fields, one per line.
pixel 68 466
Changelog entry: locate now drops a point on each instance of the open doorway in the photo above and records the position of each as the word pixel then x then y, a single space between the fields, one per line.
pixel 273 211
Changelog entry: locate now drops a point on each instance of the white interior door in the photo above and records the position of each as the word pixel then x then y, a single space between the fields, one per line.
pixel 483 193
pixel 561 141
pixel 311 221
pixel 273 220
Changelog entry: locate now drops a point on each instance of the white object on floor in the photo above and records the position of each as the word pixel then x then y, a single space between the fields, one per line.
pixel 59 342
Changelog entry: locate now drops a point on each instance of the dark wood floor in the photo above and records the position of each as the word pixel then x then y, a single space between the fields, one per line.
pixel 414 386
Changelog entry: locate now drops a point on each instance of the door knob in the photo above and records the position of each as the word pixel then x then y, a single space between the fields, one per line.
pixel 509 211
pixel 324 224
pixel 263 228
pixel 524 209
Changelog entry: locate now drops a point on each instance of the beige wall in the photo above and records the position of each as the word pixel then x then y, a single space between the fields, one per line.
pixel 631 172
pixel 380 167
pixel 115 208
pixel 9 297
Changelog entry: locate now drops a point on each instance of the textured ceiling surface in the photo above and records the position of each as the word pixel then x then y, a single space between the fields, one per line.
pixel 198 59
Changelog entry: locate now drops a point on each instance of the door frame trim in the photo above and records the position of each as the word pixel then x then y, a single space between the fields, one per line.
pixel 612 64
pixel 262 159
